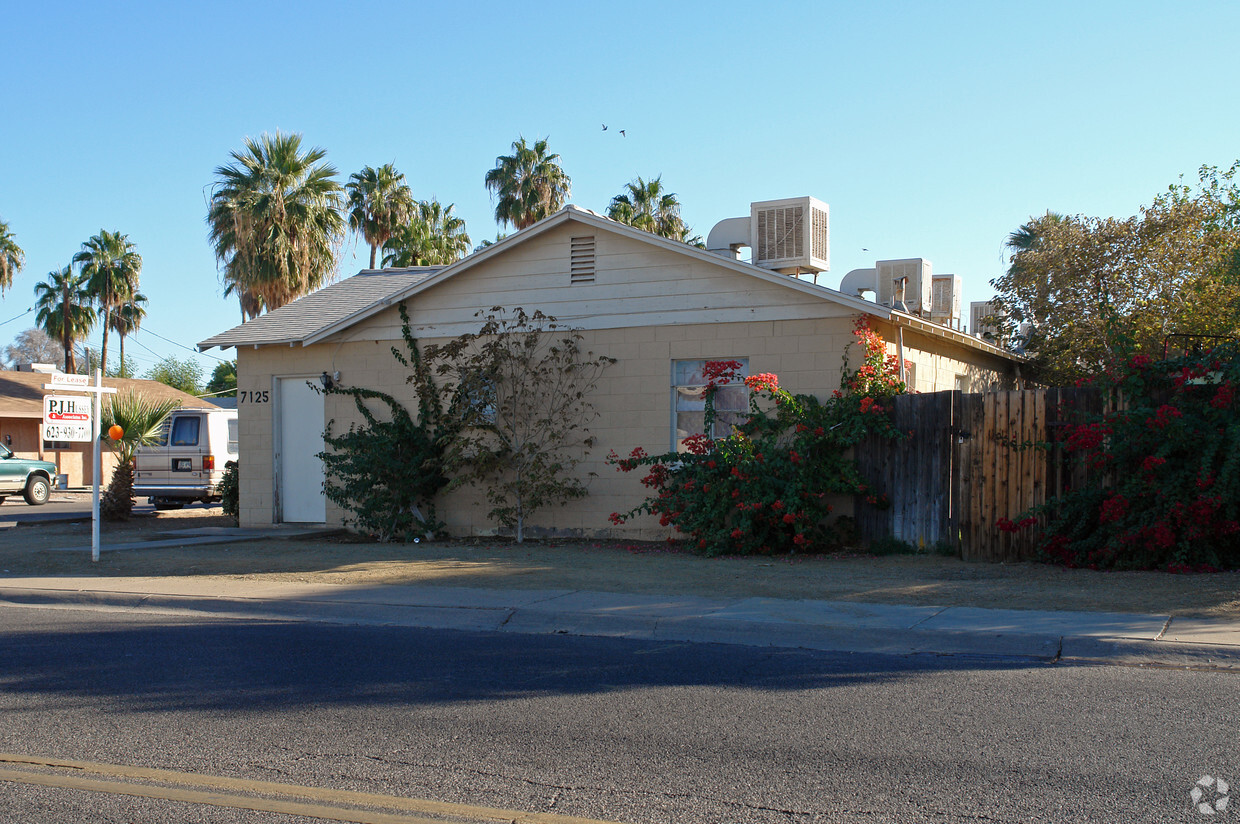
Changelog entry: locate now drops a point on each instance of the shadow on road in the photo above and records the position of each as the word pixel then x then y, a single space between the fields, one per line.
pixel 258 665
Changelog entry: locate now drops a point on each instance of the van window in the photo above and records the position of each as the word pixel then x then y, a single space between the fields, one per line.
pixel 232 435
pixel 185 431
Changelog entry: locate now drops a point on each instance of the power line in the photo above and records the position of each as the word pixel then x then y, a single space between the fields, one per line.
pixel 183 346
pixel 22 315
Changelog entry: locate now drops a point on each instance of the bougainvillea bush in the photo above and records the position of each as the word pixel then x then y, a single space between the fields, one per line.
pixel 1165 471
pixel 766 488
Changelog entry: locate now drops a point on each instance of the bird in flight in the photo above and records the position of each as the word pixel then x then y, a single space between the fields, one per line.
pixel 604 127
pixel 622 132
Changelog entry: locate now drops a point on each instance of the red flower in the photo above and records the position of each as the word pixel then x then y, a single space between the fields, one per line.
pixel 1152 462
pixel 789 518
pixel 765 380
pixel 719 373
pixel 1224 396
pixel 697 444
pixel 616 518
pixel 1113 509
pixel 1163 416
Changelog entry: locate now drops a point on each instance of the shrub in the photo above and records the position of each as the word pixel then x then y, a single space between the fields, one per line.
pixel 519 391
pixel 1165 491
pixel 230 490
pixel 386 472
pixel 766 487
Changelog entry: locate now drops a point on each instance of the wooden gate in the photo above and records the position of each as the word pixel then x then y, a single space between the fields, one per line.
pixel 966 462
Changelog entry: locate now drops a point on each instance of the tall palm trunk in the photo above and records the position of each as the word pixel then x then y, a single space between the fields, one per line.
pixel 103 353
pixel 373 249
pixel 67 333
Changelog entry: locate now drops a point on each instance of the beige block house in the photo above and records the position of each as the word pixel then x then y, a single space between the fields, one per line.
pixel 660 307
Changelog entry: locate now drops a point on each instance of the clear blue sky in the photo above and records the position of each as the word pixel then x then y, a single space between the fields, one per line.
pixel 931 129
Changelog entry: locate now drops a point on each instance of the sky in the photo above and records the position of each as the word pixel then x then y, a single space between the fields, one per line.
pixel 932 129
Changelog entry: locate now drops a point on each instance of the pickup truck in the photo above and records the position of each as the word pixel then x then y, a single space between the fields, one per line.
pixel 32 478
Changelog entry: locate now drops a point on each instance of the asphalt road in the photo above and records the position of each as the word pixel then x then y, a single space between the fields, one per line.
pixel 63 506
pixel 606 729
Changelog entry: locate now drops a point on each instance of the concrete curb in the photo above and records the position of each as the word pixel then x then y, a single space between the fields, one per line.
pixel 693 620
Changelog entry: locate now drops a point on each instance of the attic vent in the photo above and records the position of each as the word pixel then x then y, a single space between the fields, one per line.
pixel 581 260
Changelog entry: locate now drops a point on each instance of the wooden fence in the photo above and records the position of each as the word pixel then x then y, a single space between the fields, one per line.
pixel 968 461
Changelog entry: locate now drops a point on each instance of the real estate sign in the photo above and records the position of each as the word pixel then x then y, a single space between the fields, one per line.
pixel 67 418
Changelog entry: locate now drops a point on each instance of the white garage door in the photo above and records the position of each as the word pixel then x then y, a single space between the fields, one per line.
pixel 299 442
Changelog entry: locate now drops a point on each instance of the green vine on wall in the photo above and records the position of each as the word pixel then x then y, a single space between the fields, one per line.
pixel 386 472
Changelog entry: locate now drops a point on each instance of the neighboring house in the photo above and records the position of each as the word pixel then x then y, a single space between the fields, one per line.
pixel 660 307
pixel 21 413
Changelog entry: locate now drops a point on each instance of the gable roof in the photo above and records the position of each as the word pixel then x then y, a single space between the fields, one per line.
pixel 308 322
pixel 21 393
pixel 294 322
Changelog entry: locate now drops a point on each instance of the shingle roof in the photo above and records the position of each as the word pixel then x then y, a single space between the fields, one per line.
pixel 296 321
pixel 21 393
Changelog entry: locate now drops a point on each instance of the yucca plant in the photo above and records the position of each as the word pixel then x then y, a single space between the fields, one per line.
pixel 141 418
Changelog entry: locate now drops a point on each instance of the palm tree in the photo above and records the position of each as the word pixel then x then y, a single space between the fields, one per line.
pixel 111 266
pixel 126 319
pixel 12 258
pixel 275 222
pixel 434 236
pixel 64 308
pixel 1028 234
pixel 379 203
pixel 648 206
pixel 141 419
pixel 1027 239
pixel 529 184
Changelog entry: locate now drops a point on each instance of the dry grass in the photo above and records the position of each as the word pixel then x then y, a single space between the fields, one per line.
pixel 613 566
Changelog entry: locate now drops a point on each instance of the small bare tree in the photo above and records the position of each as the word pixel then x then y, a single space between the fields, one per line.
pixel 519 389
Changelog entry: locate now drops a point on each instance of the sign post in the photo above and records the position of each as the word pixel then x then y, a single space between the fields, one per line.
pixel 70 418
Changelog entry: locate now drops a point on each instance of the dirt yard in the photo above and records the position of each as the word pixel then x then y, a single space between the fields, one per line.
pixel 644 568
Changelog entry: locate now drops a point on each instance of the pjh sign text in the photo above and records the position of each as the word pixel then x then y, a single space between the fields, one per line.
pixel 67 418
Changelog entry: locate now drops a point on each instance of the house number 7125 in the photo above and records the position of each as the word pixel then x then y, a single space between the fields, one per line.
pixel 250 396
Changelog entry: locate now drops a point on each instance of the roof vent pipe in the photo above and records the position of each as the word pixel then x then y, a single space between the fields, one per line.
pixel 728 236
pixel 859 281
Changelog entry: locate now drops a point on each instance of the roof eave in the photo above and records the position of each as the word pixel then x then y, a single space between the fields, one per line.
pixel 914 322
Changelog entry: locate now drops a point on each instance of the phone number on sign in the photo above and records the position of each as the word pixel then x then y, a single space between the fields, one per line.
pixel 66 432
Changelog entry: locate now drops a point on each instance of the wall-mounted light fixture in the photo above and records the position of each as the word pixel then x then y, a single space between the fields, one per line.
pixel 8 440
pixel 327 381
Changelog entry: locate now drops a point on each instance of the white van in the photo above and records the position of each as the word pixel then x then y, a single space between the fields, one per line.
pixel 187 464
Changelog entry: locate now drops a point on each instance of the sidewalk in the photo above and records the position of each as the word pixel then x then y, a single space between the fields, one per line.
pixel 1035 636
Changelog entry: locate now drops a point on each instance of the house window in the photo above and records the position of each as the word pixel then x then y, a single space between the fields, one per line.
pixel 962 383
pixel 689 401
pixel 581 260
pixel 910 376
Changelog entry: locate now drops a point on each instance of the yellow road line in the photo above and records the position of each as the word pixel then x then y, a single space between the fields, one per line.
pixel 239 793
